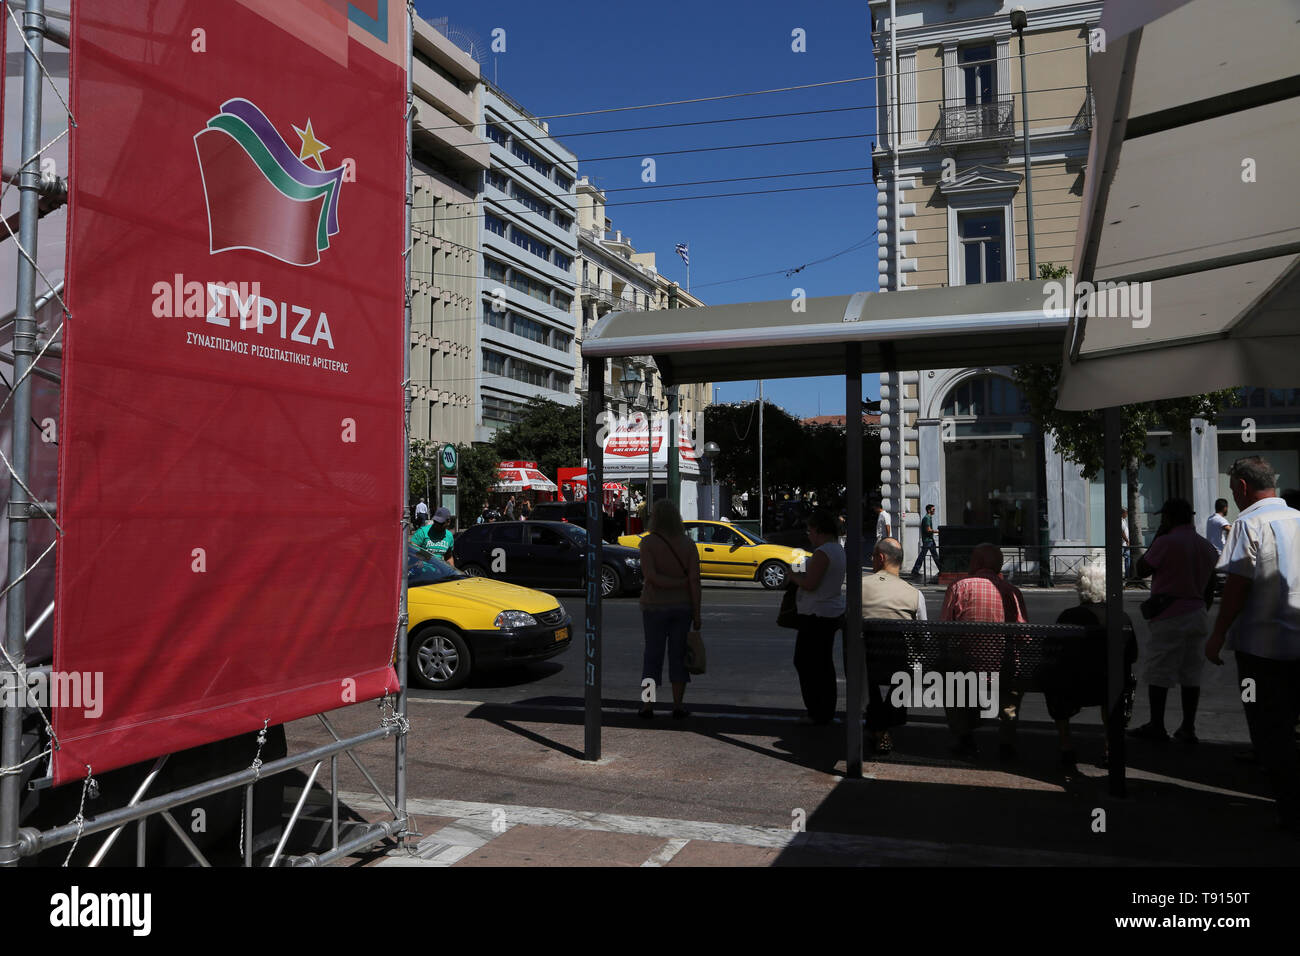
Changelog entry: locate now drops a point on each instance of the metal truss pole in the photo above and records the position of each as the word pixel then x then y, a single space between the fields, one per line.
pixel 11 736
pixel 400 661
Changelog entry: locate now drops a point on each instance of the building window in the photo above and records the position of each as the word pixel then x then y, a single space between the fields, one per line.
pixel 501 410
pixel 494 270
pixel 531 158
pixel 529 374
pixel 535 246
pixel 982 235
pixel 563 181
pixel 498 320
pixel 494 224
pixel 563 383
pixel 529 286
pixel 562 342
pixel 494 363
pixel 529 329
pixel 563 302
pixel 529 201
pixel 562 261
pixel 976 64
pixel 563 221
pixel 498 181
pixel 496 133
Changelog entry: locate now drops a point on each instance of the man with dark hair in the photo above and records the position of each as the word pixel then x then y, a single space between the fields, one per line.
pixel 1260 611
pixel 984 595
pixel 1180 563
pixel 927 543
pixel 1217 525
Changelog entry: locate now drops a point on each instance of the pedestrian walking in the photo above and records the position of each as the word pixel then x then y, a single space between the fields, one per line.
pixel 1260 613
pixel 421 512
pixel 670 602
pixel 436 538
pixel 1180 564
pixel 525 509
pixel 984 595
pixel 928 543
pixel 1077 678
pixel 886 595
pixel 1217 525
pixel 510 509
pixel 820 605
pixel 1123 535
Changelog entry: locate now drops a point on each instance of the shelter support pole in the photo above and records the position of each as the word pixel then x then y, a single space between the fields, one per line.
pixel 855 652
pixel 24 348
pixel 674 467
pixel 595 554
pixel 1114 476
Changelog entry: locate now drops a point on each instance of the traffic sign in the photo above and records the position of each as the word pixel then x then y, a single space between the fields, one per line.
pixel 448 457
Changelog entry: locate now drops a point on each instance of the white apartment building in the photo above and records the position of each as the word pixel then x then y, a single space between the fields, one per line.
pixel 529 240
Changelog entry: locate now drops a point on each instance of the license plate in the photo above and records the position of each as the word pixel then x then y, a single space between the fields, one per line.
pixel 562 634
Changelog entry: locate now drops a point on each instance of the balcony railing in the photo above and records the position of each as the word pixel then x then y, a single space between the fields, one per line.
pixel 591 290
pixel 968 124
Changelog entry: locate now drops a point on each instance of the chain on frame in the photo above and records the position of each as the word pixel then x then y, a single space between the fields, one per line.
pixel 256 767
pixel 89 787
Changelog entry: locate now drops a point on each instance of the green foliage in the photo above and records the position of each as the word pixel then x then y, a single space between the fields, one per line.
pixel 796 457
pixel 422 472
pixel 547 432
pixel 476 471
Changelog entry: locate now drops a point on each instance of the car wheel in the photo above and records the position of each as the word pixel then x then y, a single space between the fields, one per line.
pixel 474 571
pixel 610 581
pixel 440 659
pixel 773 575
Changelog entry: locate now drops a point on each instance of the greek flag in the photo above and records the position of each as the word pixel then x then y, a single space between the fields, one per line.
pixel 684 251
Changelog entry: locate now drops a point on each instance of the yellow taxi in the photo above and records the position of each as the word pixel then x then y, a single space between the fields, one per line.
pixel 461 624
pixel 728 553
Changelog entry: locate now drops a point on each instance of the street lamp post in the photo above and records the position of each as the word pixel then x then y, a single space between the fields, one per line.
pixel 1019 20
pixel 711 451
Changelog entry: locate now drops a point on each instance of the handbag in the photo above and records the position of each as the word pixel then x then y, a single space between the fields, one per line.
pixel 696 658
pixel 1156 604
pixel 788 614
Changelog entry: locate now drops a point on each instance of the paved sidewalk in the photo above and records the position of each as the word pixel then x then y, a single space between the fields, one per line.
pixel 503 785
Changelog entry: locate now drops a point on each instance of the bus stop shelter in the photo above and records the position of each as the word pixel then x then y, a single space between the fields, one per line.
pixel 845 335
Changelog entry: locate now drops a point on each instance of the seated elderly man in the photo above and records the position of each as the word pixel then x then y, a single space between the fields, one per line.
pixel 984 595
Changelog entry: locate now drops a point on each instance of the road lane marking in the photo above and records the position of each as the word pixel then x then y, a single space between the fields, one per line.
pixel 666 852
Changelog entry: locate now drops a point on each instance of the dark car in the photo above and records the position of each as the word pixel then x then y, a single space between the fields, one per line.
pixel 544 554
pixel 574 512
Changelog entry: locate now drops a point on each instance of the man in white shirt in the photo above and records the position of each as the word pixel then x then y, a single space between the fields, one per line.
pixel 882 522
pixel 1260 611
pixel 886 595
pixel 1216 528
pixel 421 512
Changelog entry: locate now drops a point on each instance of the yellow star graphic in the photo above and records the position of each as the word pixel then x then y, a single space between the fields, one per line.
pixel 311 146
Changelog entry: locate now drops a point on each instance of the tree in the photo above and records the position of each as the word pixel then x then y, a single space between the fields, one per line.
pixel 421 472
pixel 1080 436
pixel 476 473
pixel 547 432
pixel 797 458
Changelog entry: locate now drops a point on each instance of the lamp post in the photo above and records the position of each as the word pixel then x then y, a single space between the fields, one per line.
pixel 631 384
pixel 1019 20
pixel 711 451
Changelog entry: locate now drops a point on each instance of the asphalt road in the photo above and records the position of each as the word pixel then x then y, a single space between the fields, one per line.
pixel 749 663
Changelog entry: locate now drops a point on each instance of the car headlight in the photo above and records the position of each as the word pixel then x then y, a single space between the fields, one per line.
pixel 632 562
pixel 509 619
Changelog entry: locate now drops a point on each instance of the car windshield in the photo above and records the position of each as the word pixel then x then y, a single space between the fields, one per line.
pixel 422 570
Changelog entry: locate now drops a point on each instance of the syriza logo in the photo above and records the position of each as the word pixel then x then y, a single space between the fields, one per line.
pixel 260 194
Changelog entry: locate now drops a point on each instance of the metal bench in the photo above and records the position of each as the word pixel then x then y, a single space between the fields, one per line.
pixel 1020 654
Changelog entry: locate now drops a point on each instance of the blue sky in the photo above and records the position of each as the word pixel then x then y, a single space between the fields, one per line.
pixel 566 58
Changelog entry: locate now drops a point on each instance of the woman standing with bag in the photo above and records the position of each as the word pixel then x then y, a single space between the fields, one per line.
pixel 670 601
pixel 820 603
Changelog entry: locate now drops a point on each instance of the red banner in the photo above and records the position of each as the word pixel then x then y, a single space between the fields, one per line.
pixel 232 438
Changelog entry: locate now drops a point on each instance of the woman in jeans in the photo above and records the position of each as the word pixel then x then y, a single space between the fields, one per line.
pixel 820 603
pixel 670 601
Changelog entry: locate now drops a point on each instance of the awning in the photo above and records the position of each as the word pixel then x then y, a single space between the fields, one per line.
pixel 516 476
pixel 998 323
pixel 1192 187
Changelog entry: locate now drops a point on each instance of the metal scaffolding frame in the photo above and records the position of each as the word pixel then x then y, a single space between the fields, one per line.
pixel 17 842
